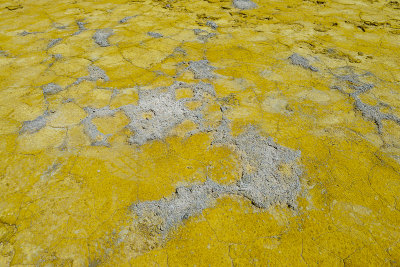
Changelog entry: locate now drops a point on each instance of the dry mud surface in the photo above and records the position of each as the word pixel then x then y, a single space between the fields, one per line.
pixel 200 133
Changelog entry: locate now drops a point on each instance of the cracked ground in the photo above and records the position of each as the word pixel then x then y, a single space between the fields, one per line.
pixel 200 133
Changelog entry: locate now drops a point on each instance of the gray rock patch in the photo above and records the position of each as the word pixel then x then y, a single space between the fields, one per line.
pixel 265 186
pixel 373 113
pixel 24 33
pixel 244 4
pixel 212 24
pixel 369 112
pixel 125 20
pixel 81 27
pixel 51 88
pixel 202 87
pixel 156 114
pixel 35 125
pixel 101 37
pixel 296 59
pixel 155 34
pixel 180 50
pixel 97 138
pixel 203 35
pixel 201 69
pixel 184 203
pixel 95 73
pixel 57 56
pixel 53 42
pixel 354 83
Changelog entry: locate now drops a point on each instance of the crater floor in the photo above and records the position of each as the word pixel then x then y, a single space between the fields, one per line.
pixel 207 133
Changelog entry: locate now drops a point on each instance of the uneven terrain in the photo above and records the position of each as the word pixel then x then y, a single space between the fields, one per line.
pixel 207 133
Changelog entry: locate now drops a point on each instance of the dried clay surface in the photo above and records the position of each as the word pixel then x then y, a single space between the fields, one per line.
pixel 199 133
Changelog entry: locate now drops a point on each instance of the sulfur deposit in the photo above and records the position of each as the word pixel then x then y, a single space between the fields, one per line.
pixel 207 133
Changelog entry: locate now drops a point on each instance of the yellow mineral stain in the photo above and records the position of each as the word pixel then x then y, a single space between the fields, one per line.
pixel 184 128
pixel 193 104
pixel 184 93
pixel 48 137
pixel 66 200
pixel 67 115
pixel 125 97
pixel 96 98
pixel 112 124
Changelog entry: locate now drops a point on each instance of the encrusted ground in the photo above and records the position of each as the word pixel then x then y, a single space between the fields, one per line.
pixel 207 133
